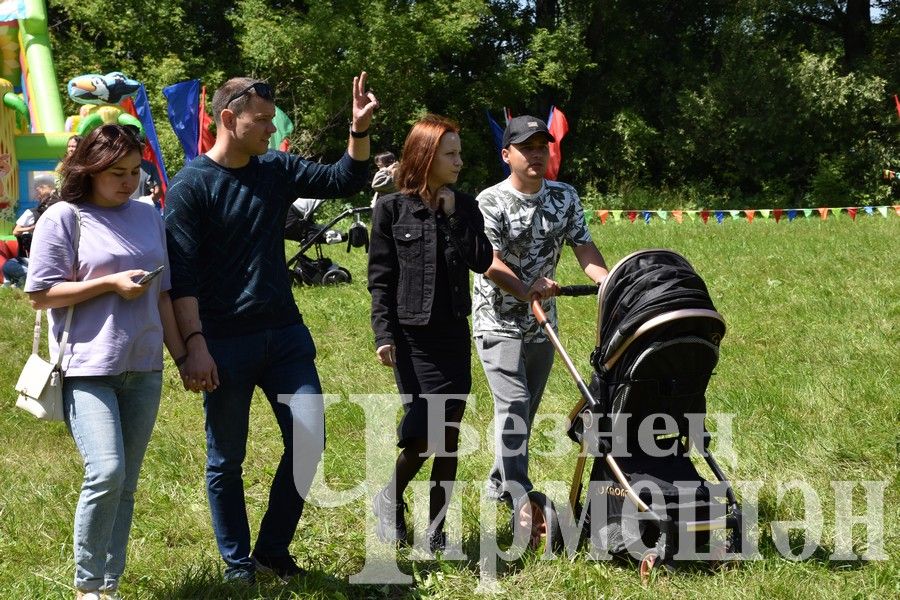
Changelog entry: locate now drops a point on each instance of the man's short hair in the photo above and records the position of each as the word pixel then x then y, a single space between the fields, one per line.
pixel 229 89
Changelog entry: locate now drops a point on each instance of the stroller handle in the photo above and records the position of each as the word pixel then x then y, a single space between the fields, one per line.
pixel 578 290
pixel 541 318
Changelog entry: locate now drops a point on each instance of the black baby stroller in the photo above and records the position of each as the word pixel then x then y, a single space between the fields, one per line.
pixel 658 337
pixel 300 226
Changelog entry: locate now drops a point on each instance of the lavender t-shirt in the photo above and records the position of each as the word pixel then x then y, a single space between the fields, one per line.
pixel 109 335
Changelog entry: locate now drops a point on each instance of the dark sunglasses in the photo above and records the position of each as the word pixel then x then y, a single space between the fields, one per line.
pixel 262 89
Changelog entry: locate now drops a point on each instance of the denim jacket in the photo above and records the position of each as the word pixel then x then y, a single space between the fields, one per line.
pixel 403 255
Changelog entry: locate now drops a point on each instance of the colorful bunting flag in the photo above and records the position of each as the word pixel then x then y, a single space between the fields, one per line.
pixel 748 213
pixel 897 102
pixel 603 214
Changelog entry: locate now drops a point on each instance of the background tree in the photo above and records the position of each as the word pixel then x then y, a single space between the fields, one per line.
pixel 670 102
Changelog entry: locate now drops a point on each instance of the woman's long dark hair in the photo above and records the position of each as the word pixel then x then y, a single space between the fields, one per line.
pixel 418 153
pixel 101 149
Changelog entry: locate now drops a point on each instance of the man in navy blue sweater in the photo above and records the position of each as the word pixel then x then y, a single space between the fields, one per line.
pixel 225 214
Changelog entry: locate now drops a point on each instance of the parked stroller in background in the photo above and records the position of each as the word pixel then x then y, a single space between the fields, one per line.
pixel 300 226
pixel 658 337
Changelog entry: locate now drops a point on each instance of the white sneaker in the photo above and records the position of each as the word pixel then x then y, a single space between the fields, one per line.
pixel 79 595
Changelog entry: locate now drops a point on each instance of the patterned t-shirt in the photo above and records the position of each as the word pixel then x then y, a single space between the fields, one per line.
pixel 528 230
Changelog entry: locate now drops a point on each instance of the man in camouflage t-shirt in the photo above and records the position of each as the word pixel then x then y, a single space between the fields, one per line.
pixel 526 219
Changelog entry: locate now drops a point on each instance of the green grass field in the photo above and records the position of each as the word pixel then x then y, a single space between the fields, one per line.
pixel 809 371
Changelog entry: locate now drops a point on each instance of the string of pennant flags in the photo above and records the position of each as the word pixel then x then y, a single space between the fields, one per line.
pixel 680 216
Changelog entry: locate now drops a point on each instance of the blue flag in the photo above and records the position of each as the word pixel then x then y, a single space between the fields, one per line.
pixel 142 106
pixel 497 133
pixel 183 100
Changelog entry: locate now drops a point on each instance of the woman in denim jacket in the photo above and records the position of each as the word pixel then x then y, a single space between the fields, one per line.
pixel 425 240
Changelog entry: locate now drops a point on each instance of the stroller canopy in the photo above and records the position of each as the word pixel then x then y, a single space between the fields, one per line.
pixel 642 287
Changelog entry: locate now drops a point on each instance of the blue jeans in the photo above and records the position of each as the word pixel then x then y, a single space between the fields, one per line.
pixel 15 270
pixel 111 419
pixel 279 361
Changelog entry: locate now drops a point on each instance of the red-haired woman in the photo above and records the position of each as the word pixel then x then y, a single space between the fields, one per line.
pixel 426 238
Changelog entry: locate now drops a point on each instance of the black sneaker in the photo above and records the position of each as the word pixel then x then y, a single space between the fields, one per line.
pixel 240 575
pixel 282 567
pixel 390 520
pixel 437 541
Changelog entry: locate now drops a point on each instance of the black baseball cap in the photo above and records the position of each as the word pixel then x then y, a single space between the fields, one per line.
pixel 521 128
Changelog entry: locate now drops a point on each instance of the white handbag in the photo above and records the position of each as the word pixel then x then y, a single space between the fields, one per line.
pixel 41 382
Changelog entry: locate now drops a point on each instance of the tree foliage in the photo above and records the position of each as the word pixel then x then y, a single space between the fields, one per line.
pixel 713 102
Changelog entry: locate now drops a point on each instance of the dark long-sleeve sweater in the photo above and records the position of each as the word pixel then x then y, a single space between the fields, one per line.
pixel 225 235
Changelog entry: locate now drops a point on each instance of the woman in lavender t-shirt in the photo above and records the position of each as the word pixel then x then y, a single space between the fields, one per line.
pixel 113 361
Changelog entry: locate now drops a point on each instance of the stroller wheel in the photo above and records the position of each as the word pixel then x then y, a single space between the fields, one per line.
pixel 335 276
pixel 539 516
pixel 648 561
pixel 652 563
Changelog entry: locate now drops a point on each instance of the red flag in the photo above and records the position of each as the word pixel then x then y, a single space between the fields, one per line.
pixel 704 214
pixel 852 212
pixel 750 214
pixel 558 126
pixel 207 139
pixel 632 215
pixel 897 102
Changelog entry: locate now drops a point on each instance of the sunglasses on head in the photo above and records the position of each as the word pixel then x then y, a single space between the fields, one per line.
pixel 262 89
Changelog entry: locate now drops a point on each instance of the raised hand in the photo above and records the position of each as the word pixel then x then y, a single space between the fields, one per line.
pixel 364 103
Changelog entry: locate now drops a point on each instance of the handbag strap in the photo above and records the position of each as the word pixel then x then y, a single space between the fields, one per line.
pixel 37 318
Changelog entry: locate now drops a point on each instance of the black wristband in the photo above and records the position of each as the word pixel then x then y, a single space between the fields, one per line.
pixel 358 134
pixel 181 360
pixel 190 335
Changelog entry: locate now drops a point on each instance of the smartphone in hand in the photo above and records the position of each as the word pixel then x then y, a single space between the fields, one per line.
pixel 151 275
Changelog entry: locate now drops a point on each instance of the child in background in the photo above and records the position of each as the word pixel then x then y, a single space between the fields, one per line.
pixel 383 182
